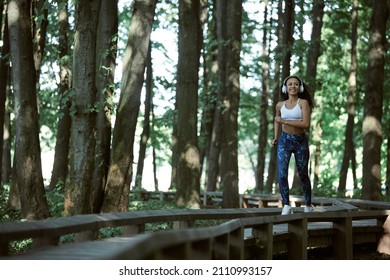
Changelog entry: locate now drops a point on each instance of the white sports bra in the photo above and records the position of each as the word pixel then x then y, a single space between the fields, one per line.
pixel 291 114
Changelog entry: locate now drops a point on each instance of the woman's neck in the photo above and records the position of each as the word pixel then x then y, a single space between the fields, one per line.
pixel 292 99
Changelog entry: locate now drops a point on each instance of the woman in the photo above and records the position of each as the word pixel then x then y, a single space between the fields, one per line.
pixel 293 116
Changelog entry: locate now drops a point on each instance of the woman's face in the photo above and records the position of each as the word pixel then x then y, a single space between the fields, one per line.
pixel 292 86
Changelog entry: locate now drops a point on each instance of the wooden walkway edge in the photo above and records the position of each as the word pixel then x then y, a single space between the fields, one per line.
pixel 251 233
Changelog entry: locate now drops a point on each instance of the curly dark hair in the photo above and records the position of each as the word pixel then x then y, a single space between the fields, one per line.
pixel 306 94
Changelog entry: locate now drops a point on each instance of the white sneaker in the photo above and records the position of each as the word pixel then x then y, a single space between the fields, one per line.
pixel 308 209
pixel 287 210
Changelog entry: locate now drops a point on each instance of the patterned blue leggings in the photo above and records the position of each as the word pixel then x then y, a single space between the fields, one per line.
pixel 296 144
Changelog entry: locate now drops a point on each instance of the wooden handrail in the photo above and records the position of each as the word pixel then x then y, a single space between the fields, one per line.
pixel 225 241
pixel 262 200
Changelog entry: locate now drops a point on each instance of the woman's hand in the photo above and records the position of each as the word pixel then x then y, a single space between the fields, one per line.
pixel 278 119
pixel 274 141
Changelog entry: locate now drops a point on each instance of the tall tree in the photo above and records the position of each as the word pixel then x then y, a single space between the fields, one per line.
pixel 349 145
pixel 145 135
pixel 189 165
pixel 216 132
pixel 373 102
pixel 288 39
pixel 40 24
pixel 27 170
pixel 4 70
pixel 263 116
pixel 314 50
pixel 272 167
pixel 208 94
pixel 313 54
pixel 61 149
pixel 82 142
pixel 107 39
pixel 121 170
pixel 231 100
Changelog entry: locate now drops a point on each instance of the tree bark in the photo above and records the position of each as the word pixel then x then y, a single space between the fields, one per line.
pixel 120 172
pixel 146 125
pixel 272 168
pixel 61 150
pixel 189 165
pixel 208 96
pixel 349 145
pixel 373 103
pixel 106 56
pixel 213 170
pixel 263 116
pixel 288 39
pixel 4 70
pixel 78 198
pixel 27 169
pixel 313 54
pixel 229 147
pixel 39 30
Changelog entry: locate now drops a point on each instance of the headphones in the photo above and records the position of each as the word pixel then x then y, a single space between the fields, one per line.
pixel 284 88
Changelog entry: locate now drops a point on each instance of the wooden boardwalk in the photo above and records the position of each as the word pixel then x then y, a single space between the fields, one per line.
pixel 246 233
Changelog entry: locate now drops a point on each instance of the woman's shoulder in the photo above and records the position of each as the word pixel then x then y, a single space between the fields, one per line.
pixel 280 104
pixel 303 101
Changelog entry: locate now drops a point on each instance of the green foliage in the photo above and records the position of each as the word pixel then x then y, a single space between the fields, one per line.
pixel 138 205
pixel 7 213
pixel 153 205
pixel 20 246
pixel 109 232
pixel 56 200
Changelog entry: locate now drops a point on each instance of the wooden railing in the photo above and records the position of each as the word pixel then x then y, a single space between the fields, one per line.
pixel 246 233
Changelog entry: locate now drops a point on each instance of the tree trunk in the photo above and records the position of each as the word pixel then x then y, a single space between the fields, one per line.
pixel 27 169
pixel 120 171
pixel 313 54
pixel 39 30
pixel 288 39
pixel 373 103
pixel 146 125
pixel 153 144
pixel 4 70
pixel 209 93
pixel 106 55
pixel 349 146
pixel 272 167
pixel 216 134
pixel 6 159
pixel 61 150
pixel 78 198
pixel 263 116
pixel 229 147
pixel 189 165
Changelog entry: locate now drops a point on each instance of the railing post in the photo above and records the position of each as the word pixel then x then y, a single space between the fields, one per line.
pixel 45 242
pixel 236 244
pixel 133 229
pixel 86 236
pixel 221 247
pixel 201 250
pixel 297 246
pixel 264 235
pixel 182 224
pixel 343 242
pixel 3 248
